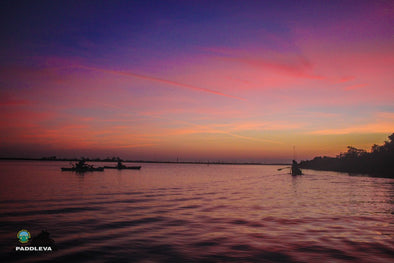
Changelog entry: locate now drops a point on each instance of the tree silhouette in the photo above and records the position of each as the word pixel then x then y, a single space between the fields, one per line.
pixel 379 161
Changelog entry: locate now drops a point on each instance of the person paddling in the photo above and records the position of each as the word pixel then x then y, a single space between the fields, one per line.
pixel 295 170
pixel 120 165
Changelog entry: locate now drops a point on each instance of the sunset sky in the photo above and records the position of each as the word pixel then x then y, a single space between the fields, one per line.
pixel 195 80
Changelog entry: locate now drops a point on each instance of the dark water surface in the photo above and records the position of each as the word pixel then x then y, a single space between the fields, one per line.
pixel 196 213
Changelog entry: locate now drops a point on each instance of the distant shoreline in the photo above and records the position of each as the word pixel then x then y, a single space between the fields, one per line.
pixel 132 161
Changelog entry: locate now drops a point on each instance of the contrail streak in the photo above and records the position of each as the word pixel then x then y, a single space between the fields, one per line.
pixel 208 129
pixel 174 83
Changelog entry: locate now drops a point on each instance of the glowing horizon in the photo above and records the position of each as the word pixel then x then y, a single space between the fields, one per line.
pixel 196 81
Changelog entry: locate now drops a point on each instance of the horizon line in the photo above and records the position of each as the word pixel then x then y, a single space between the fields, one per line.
pixel 137 161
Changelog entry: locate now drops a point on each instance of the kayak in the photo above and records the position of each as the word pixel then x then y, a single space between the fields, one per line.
pixel 122 168
pixel 88 169
pixel 296 171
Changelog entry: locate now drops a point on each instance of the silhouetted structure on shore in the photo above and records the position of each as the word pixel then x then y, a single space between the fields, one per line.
pixel 379 161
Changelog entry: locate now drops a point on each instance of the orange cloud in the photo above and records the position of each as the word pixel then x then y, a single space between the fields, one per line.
pixel 384 123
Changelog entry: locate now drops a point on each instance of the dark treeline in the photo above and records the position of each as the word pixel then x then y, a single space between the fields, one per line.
pixel 379 161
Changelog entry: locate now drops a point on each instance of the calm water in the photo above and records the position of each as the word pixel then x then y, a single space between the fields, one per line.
pixel 195 213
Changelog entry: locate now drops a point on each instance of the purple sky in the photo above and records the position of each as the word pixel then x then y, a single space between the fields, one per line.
pixel 198 80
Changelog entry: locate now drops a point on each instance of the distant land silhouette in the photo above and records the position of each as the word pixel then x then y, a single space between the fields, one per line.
pixel 380 161
pixel 117 159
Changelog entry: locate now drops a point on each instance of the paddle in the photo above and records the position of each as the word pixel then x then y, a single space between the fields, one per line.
pixel 280 169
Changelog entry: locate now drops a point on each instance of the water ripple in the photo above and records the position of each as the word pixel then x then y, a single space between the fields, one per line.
pixel 201 214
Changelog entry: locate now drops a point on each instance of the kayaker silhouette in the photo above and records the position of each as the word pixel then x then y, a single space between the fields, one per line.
pixel 295 170
pixel 120 165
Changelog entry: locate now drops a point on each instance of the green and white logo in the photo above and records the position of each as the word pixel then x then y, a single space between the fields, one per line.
pixel 23 236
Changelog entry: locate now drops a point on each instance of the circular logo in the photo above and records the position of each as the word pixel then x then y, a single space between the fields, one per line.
pixel 23 236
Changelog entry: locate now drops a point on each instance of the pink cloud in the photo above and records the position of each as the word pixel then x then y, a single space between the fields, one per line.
pixel 165 81
pixel 299 67
pixel 97 108
pixel 13 102
pixel 353 87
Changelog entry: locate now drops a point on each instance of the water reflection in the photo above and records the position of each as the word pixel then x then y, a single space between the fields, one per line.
pixel 200 213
